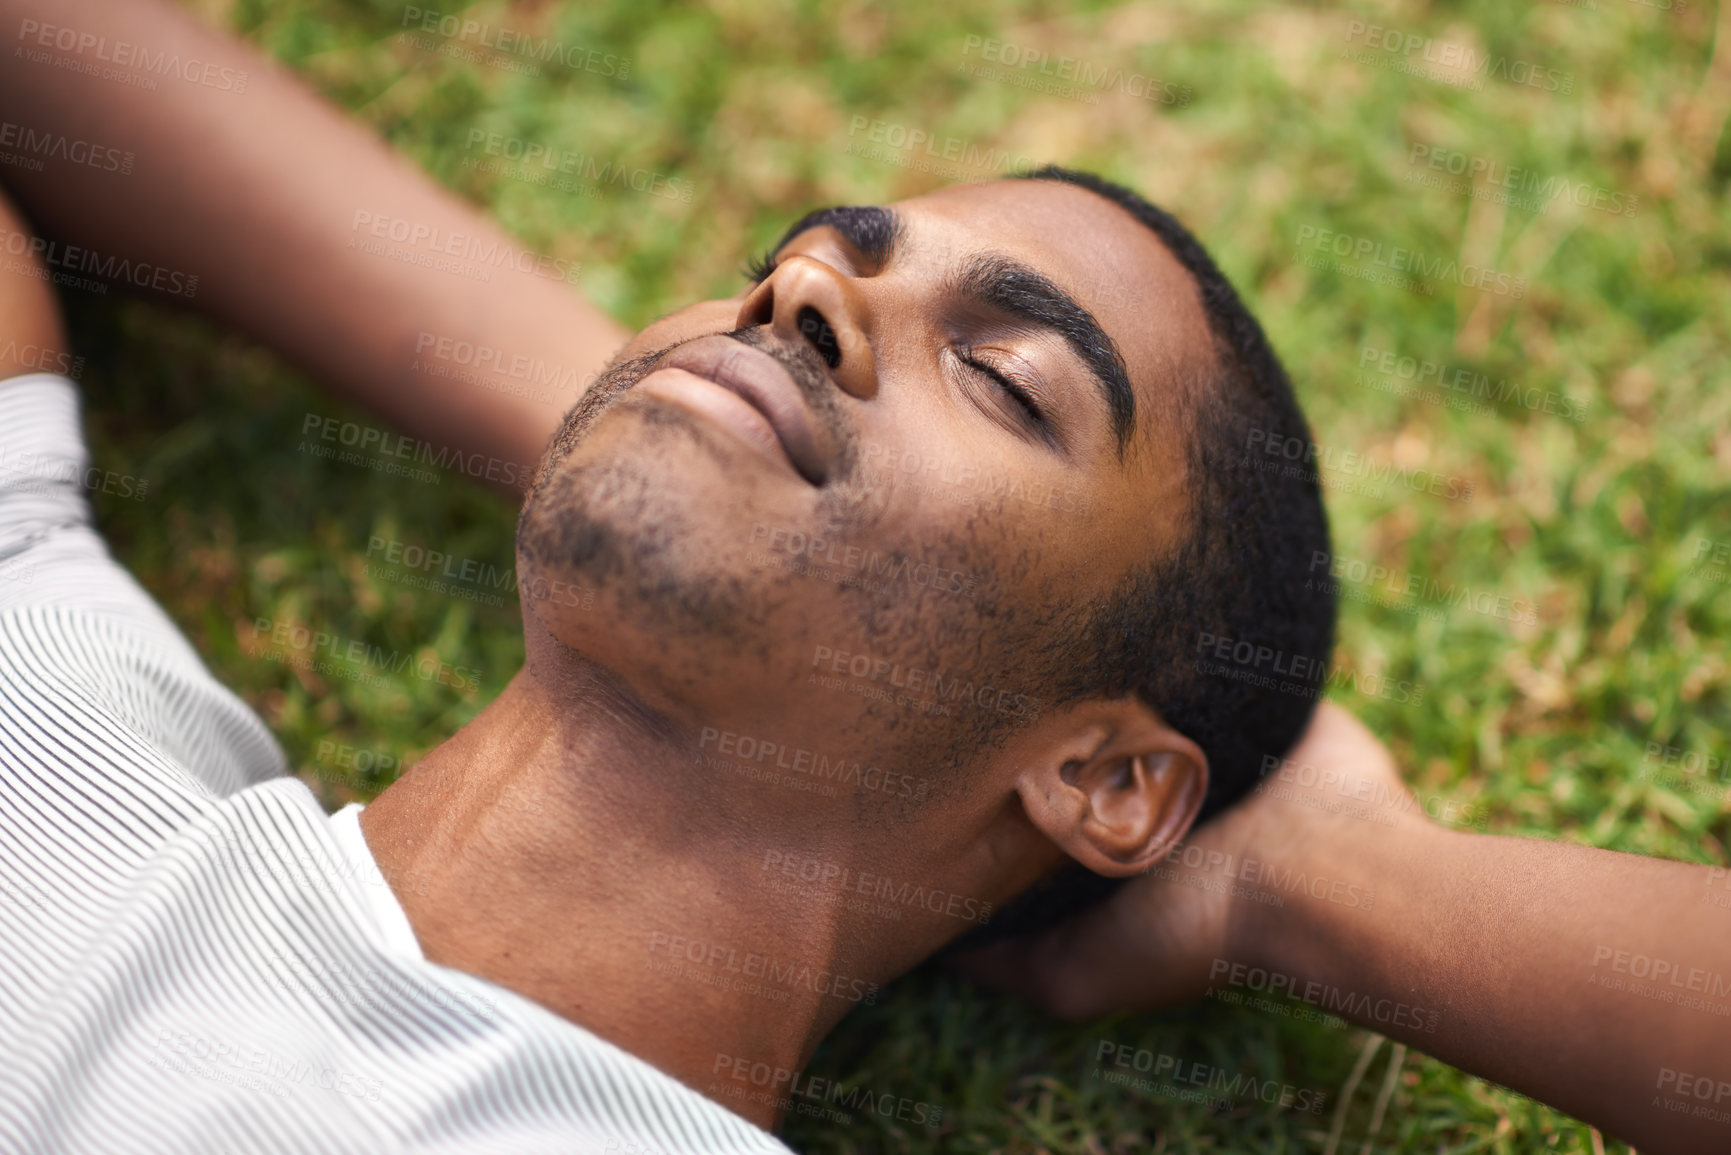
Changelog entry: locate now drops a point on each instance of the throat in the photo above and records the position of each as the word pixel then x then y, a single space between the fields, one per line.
pixel 565 863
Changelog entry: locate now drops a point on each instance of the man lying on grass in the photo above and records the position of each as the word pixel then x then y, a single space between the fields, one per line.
pixel 614 890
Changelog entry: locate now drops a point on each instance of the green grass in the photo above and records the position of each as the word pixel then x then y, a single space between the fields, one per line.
pixel 1542 724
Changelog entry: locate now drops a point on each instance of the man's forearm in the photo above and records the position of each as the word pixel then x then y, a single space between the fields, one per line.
pixel 302 229
pixel 1594 981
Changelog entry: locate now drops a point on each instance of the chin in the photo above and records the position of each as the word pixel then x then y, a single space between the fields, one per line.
pixel 659 564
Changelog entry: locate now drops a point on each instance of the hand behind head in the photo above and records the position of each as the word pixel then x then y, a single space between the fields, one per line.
pixel 1154 942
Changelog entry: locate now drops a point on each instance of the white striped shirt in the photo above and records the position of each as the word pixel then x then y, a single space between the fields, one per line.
pixel 193 956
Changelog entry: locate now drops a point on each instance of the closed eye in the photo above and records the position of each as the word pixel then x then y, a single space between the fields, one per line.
pixel 1015 391
pixel 758 268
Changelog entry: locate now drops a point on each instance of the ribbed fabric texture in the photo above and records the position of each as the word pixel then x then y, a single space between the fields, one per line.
pixel 188 961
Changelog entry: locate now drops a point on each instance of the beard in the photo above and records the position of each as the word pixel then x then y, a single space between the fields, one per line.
pixel 611 522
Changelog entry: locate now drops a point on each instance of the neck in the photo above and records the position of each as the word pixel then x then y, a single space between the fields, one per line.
pixel 565 845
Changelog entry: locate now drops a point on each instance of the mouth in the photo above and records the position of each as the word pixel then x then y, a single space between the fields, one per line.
pixel 765 385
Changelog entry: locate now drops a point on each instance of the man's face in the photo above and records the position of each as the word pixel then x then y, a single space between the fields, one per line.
pixel 854 508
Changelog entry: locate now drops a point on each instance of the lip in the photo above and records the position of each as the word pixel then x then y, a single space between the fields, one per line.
pixel 763 383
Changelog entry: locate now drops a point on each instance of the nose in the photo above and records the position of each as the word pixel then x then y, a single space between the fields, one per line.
pixel 805 300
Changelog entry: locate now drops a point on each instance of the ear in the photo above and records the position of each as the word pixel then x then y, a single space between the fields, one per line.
pixel 1112 785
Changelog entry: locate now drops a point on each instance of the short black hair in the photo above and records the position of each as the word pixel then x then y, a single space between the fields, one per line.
pixel 1240 571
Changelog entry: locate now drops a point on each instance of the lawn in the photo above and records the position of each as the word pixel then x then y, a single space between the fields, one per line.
pixel 1499 259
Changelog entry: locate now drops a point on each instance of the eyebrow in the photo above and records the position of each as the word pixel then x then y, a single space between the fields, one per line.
pixel 872 230
pixel 1022 293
